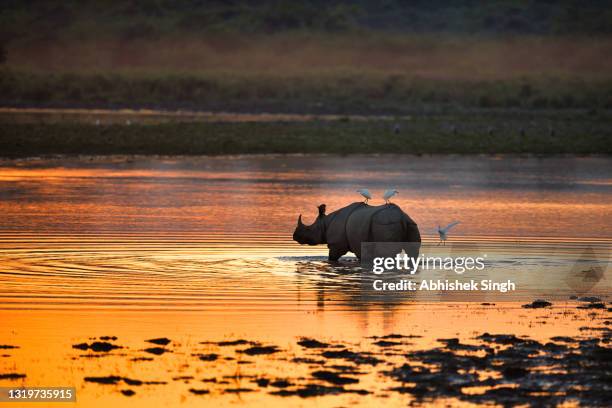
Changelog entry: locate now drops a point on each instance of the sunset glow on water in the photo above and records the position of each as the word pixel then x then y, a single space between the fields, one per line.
pixel 199 250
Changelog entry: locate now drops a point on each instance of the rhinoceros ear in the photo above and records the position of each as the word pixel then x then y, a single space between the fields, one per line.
pixel 321 210
pixel 300 223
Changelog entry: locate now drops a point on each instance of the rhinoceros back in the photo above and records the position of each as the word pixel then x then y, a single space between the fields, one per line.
pixel 336 226
pixel 386 223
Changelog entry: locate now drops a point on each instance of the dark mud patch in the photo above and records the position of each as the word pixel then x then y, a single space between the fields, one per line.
pixel 260 350
pixel 334 378
pixel 160 341
pixel 229 343
pixel 537 304
pixel 198 391
pixel 594 305
pixel 283 383
pixel 387 343
pixel 395 336
pixel 237 390
pixel 262 382
pixel 114 379
pixel 111 379
pixel 183 378
pixel 97 346
pixel 208 357
pixel 158 351
pixel 316 390
pixel 525 372
pixel 12 376
pixel 357 358
pixel 108 338
pixel 311 343
pixel 590 299
pixel 307 360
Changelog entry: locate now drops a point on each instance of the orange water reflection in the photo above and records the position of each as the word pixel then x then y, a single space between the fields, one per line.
pixel 200 250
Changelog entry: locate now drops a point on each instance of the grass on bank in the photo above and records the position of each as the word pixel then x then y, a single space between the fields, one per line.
pixel 346 73
pixel 336 91
pixel 581 134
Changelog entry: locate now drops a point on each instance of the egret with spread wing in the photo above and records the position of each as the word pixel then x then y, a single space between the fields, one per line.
pixel 364 192
pixel 388 194
pixel 443 232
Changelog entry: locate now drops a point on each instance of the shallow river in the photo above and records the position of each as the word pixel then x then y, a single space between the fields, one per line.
pixel 200 250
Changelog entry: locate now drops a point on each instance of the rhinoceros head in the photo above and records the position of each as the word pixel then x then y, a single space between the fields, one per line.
pixel 311 234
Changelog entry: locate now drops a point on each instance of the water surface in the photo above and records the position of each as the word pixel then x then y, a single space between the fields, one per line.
pixel 199 249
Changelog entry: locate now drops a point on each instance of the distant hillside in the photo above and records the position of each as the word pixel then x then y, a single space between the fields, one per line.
pixel 66 19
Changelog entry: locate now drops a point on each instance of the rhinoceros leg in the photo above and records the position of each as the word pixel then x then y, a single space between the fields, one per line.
pixel 336 253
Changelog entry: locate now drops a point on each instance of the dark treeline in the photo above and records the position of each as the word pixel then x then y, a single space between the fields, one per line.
pixel 48 19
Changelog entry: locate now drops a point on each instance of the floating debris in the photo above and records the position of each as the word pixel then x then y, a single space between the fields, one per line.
pixel 7 347
pixel 128 393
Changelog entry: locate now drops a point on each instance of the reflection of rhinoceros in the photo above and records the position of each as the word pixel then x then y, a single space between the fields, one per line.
pixel 345 229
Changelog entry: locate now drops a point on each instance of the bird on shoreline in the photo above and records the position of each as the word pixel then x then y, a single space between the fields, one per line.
pixel 365 193
pixel 443 232
pixel 388 194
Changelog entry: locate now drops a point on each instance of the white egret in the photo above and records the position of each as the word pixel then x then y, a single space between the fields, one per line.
pixel 443 232
pixel 364 192
pixel 388 194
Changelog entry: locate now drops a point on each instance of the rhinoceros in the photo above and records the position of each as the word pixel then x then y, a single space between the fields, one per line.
pixel 345 229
